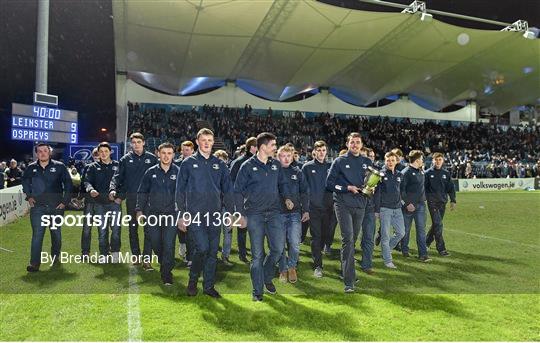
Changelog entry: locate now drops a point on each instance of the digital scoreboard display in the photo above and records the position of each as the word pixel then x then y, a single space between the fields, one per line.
pixel 43 124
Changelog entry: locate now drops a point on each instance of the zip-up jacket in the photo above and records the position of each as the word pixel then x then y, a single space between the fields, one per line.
pixel 315 174
pixel 156 194
pixel 204 186
pixel 439 185
pixel 130 172
pixel 412 186
pixel 50 186
pixel 298 190
pixel 259 187
pixel 388 191
pixel 348 170
pixel 98 177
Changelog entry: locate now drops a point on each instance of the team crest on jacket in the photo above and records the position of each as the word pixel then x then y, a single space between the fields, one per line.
pixel 347 166
pixel 53 169
pixel 98 168
pixel 398 179
pixel 293 177
pixel 313 171
pixel 130 161
pixel 444 176
pixel 274 167
pixel 215 166
pixel 414 174
pixel 147 160
pixel 432 176
pixel 114 168
pixel 255 169
pixel 364 166
pixel 154 176
pixel 195 165
pixel 173 177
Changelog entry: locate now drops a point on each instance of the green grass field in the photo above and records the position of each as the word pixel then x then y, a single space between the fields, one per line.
pixel 487 290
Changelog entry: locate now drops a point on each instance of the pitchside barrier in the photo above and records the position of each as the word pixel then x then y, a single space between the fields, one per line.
pixel 12 204
pixel 479 185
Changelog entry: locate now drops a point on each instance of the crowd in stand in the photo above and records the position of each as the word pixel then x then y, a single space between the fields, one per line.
pixel 472 150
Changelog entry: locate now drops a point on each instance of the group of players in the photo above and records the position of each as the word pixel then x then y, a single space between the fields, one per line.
pixel 265 192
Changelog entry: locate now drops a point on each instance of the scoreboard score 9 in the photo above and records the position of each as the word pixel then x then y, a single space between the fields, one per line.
pixel 44 124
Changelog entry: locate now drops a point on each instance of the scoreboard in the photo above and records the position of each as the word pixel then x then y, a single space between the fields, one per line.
pixel 43 124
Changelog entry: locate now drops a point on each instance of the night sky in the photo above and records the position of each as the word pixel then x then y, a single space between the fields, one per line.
pixel 81 55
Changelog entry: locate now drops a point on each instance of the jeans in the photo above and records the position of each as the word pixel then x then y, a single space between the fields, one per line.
pixel 205 241
pixel 38 231
pixel 163 240
pixel 134 231
pixel 390 217
pixel 436 212
pixel 328 238
pixel 320 221
pixel 419 216
pixel 227 241
pixel 86 236
pixel 293 231
pixel 368 239
pixel 350 221
pixel 103 230
pixel 269 225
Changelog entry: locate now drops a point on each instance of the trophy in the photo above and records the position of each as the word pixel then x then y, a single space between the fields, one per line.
pixel 372 179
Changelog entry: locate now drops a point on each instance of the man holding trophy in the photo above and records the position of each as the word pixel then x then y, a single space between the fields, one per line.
pixel 346 179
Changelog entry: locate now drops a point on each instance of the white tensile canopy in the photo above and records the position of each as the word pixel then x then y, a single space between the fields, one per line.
pixel 278 49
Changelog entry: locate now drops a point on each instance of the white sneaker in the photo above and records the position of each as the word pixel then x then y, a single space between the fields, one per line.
pixel 182 250
pixel 390 265
pixel 318 272
pixel 115 257
pixel 102 259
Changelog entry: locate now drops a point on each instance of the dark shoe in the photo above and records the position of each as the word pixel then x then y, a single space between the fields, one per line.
pixel 257 298
pixel 444 253
pixel 244 259
pixel 32 268
pixel 369 271
pixel 147 267
pixel 192 288
pixel 424 259
pixel 212 293
pixel 406 254
pixel 226 261
pixel 270 288
pixel 167 280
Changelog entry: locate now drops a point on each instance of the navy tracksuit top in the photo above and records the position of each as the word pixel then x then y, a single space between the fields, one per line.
pixel 348 170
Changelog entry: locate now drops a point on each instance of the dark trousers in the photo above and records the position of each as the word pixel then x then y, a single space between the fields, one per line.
pixel 329 239
pixel 320 221
pixel 134 232
pixel 305 228
pixel 436 212
pixel 241 237
pixel 86 236
pixel 183 238
pixel 350 221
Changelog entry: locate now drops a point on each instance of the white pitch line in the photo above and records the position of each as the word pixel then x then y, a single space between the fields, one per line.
pixel 6 249
pixel 494 238
pixel 134 311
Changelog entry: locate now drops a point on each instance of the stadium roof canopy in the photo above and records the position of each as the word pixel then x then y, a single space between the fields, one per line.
pixel 278 49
